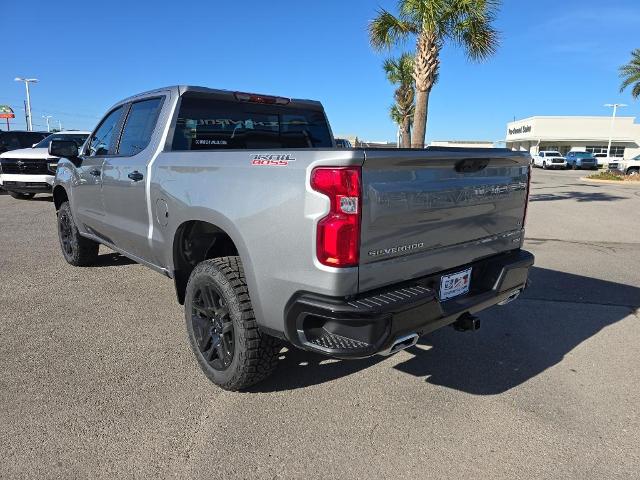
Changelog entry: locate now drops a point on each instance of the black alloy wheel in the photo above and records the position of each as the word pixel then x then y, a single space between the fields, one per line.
pixel 77 250
pixel 65 230
pixel 212 326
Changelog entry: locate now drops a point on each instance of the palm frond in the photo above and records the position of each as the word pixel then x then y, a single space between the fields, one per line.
pixel 630 74
pixel 472 27
pixel 386 30
pixel 431 15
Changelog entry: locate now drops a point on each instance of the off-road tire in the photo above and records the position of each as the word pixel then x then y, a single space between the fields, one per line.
pixel 77 250
pixel 255 354
pixel 22 196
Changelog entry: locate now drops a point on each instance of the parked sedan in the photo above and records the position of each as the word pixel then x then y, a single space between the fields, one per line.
pixel 578 160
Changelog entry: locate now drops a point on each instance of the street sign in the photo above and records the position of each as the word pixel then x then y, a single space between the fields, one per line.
pixel 6 112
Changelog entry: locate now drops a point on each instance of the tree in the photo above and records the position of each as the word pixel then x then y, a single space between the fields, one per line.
pixel 630 74
pixel 400 72
pixel 432 23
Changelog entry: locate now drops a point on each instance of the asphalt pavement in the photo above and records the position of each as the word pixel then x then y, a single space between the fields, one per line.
pixel 97 379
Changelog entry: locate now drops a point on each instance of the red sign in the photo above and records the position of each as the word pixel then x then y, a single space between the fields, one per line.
pixel 6 112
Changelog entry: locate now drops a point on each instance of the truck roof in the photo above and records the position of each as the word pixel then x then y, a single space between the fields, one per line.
pixel 220 93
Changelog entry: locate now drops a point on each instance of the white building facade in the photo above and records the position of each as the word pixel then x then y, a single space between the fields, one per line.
pixel 564 134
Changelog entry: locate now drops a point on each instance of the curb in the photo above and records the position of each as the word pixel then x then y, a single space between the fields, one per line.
pixel 613 182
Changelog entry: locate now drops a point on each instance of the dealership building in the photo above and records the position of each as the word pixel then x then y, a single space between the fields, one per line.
pixel 563 134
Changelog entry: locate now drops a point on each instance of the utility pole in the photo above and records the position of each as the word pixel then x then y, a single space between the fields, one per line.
pixel 27 81
pixel 47 117
pixel 613 119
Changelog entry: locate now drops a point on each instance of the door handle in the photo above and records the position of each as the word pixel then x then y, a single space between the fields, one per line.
pixel 469 165
pixel 95 173
pixel 136 176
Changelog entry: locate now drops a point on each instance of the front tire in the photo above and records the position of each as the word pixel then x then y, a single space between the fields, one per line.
pixel 544 165
pixel 76 249
pixel 224 336
pixel 22 196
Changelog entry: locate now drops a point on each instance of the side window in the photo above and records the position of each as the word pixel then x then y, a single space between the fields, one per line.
pixel 102 140
pixel 139 126
pixel 542 154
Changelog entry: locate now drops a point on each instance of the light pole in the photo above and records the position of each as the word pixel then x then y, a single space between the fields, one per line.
pixel 613 119
pixel 27 81
pixel 47 117
pixel 59 125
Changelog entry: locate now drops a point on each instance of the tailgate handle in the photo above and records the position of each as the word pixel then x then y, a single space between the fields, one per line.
pixel 469 165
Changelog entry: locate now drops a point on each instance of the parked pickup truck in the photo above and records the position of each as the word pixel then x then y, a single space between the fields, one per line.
pixel 629 166
pixel 27 171
pixel 274 236
pixel 549 159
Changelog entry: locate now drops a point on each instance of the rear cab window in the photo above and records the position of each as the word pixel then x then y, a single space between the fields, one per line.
pixel 206 123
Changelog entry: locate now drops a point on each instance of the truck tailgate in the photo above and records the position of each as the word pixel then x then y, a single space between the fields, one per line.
pixel 433 210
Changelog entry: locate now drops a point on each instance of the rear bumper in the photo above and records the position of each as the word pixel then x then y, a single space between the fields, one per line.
pixel 372 322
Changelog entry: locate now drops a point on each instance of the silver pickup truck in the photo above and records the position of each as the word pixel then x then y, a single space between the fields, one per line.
pixel 273 236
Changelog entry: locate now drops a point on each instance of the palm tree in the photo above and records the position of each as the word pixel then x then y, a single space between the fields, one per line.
pixel 432 23
pixel 399 118
pixel 400 73
pixel 630 74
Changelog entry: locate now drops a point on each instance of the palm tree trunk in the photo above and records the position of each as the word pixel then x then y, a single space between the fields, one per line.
pixel 405 130
pixel 425 69
pixel 420 119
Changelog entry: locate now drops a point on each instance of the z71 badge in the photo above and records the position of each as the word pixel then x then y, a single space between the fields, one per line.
pixel 272 160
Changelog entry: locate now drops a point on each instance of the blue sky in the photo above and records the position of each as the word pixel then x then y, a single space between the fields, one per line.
pixel 556 58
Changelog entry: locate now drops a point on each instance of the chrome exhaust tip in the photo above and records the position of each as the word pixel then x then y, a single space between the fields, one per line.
pixel 514 295
pixel 401 343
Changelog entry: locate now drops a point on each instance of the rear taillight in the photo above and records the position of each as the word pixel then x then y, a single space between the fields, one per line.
pixel 338 233
pixel 526 200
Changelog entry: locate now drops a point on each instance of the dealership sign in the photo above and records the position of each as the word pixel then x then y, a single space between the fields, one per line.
pixel 520 130
pixel 6 112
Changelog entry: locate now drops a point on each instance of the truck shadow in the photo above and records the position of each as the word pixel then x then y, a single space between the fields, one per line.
pixel 516 342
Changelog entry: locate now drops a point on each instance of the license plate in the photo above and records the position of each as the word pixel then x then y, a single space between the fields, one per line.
pixel 455 284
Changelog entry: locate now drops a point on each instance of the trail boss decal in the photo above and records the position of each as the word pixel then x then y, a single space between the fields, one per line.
pixel 272 160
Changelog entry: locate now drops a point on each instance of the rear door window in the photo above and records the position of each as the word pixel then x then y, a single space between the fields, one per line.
pixel 211 124
pixel 139 126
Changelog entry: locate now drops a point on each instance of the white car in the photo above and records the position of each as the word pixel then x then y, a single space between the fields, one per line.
pixel 549 159
pixel 27 171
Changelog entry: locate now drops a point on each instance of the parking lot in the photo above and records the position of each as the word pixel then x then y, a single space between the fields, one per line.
pixel 98 380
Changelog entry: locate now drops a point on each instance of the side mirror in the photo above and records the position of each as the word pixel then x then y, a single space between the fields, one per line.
pixel 63 148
